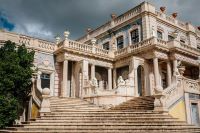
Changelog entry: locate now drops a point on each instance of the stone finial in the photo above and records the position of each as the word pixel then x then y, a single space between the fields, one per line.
pixel 66 34
pixel 88 30
pixel 57 39
pixel 162 9
pixel 93 41
pixel 45 104
pixel 113 16
pixel 174 15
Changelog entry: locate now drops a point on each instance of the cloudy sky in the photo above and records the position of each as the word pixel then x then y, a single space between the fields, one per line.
pixel 47 18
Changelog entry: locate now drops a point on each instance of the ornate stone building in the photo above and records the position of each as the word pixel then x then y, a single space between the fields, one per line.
pixel 139 53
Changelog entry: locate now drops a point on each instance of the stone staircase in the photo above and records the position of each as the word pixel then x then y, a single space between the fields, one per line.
pixel 72 115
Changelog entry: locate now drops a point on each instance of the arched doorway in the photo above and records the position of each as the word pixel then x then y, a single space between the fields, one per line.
pixel 140 80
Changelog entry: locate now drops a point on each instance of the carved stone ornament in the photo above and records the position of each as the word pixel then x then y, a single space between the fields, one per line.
pixel 46 63
pixel 94 82
pixel 120 81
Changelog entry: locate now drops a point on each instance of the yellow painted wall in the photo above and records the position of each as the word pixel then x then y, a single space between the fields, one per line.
pixel 178 111
pixel 34 111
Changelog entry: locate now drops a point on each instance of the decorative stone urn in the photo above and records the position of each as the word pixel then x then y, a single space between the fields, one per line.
pixel 113 15
pixel 162 9
pixel 174 15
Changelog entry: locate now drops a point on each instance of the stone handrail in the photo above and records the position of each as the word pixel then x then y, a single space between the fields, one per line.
pixel 170 19
pixel 80 46
pixel 117 21
pixel 188 47
pixel 173 92
pixel 135 47
pixel 37 91
pixel 84 48
pixel 30 42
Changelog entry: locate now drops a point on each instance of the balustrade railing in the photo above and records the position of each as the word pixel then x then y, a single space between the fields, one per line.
pixel 173 92
pixel 80 46
pixel 170 19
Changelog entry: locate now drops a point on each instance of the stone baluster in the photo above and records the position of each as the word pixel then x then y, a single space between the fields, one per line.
pixel 45 104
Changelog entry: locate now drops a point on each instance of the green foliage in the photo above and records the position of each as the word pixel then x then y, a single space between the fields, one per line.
pixel 15 77
pixel 8 111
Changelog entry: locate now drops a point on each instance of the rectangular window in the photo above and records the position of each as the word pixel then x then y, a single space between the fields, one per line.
pixel 182 41
pixel 120 42
pixel 159 34
pixel 135 36
pixel 45 80
pixel 106 46
pixel 170 38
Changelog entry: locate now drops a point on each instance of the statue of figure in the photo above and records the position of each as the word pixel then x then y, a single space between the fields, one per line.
pixel 127 82
pixel 94 82
pixel 153 32
pixel 179 63
pixel 120 81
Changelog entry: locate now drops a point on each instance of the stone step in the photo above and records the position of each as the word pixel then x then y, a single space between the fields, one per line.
pixel 104 127
pixel 97 121
pixel 103 131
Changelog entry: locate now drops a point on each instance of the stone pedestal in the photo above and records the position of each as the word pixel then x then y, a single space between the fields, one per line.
pixel 45 104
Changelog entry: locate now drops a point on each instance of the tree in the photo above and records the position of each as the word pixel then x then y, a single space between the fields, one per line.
pixel 15 80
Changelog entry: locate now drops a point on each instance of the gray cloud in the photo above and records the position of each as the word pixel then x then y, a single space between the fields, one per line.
pixel 46 18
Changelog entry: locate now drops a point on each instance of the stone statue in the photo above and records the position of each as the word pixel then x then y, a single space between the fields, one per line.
pixel 94 82
pixel 153 32
pixel 120 81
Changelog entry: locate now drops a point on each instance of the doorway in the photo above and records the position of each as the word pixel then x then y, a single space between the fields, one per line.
pixel 140 80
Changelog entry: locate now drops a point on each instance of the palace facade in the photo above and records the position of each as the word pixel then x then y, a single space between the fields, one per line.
pixel 142 52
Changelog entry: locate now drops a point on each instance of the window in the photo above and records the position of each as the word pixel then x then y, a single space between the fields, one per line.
pixel 106 46
pixel 120 42
pixel 159 34
pixel 45 80
pixel 135 36
pixel 170 38
pixel 182 41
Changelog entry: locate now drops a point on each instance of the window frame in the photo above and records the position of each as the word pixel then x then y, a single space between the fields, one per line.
pixel 120 44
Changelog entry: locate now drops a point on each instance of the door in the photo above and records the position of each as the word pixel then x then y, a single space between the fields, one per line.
pixel 195 113
pixel 140 78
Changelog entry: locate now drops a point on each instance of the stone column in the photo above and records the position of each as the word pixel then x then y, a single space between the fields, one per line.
pixel 175 67
pixel 109 79
pixel 114 78
pixel 169 74
pixel 65 78
pixel 84 75
pixel 156 74
pixel 92 71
